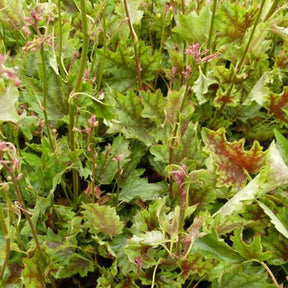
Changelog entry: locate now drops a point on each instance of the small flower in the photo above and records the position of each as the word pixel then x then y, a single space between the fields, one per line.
pixel 194 50
pixel 187 72
pixel 93 121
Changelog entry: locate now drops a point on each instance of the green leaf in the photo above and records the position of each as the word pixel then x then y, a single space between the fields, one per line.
pixel 195 264
pixel 150 238
pixel 106 168
pixel 193 28
pixel 201 86
pixel 259 91
pixel 137 187
pixel 129 120
pixel 27 124
pixel 249 250
pixel 8 99
pixel 211 246
pixel 282 145
pixel 172 108
pixel 244 276
pixel 135 14
pixel 73 265
pixel 102 219
pixel 274 219
pixel 34 270
pixel 232 161
pixel 232 21
pixel 153 106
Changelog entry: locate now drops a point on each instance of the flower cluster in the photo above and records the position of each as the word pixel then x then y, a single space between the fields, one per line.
pixel 195 51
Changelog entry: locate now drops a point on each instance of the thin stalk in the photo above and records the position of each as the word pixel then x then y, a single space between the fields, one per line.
pixel 61 65
pixel 209 40
pixel 93 162
pixel 271 10
pixel 185 44
pixel 135 44
pixel 181 221
pixel 119 175
pixel 277 285
pixel 101 70
pixel 161 46
pixel 174 134
pixel 72 107
pixel 7 240
pixel 45 96
pixel 17 232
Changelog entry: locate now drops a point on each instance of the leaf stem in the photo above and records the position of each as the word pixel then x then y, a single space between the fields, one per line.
pixel 277 285
pixel 135 44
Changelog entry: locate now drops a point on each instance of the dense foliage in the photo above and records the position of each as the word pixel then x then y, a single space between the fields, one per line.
pixel 143 143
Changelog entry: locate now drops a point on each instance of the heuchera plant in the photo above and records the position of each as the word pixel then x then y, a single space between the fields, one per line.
pixel 143 143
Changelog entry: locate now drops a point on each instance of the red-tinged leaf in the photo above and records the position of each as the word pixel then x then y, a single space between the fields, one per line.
pixel 33 273
pixel 195 264
pixel 233 162
pixel 277 104
pixel 102 219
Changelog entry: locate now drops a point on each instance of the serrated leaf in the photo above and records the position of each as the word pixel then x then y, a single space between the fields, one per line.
pixel 8 99
pixel 244 276
pixel 277 103
pixel 34 270
pixel 153 106
pixel 150 238
pixel 102 219
pixel 172 108
pixel 137 187
pixel 273 176
pixel 233 20
pixel 201 86
pixel 274 219
pixel 282 145
pixel 252 250
pixel 129 120
pixel 106 167
pixel 232 161
pixel 211 246
pixel 193 28
pixel 195 264
pixel 259 91
pixel 73 265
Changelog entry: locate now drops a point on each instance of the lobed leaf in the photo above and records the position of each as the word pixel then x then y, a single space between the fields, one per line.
pixel 232 161
pixel 102 219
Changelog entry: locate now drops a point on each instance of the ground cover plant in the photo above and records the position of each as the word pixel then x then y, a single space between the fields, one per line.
pixel 143 143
